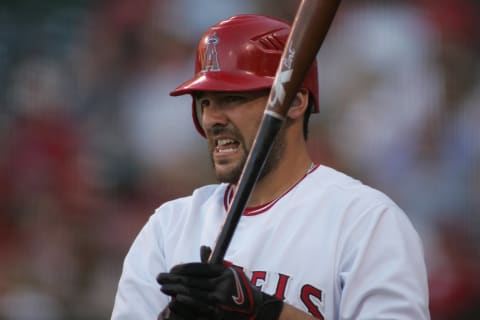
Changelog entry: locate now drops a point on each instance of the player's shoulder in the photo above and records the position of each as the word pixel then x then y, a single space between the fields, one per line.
pixel 199 196
pixel 347 187
pixel 174 213
pixel 352 200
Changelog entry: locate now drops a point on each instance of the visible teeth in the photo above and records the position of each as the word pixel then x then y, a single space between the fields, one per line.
pixel 222 142
pixel 225 150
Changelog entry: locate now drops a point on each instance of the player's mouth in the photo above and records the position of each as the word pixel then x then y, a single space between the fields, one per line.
pixel 225 146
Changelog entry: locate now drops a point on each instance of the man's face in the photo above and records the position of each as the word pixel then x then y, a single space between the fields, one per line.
pixel 230 121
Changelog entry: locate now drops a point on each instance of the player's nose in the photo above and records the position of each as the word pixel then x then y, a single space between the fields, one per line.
pixel 213 116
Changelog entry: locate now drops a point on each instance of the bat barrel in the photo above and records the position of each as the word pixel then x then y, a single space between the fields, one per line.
pixel 309 29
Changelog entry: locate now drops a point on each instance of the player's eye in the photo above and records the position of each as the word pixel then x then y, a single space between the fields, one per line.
pixel 204 103
pixel 201 104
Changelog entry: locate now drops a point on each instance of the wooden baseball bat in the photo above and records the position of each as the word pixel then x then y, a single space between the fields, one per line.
pixel 310 26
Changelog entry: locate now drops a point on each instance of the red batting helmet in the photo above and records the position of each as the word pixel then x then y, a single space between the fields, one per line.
pixel 241 54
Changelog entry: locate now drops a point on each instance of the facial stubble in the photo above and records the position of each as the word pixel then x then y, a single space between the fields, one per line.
pixel 273 159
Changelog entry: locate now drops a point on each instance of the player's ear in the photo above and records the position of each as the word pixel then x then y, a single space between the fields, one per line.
pixel 299 104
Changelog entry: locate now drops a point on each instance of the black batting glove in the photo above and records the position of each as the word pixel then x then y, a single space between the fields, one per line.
pixel 182 307
pixel 212 291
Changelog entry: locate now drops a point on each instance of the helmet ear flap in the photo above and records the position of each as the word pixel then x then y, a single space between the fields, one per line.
pixel 196 115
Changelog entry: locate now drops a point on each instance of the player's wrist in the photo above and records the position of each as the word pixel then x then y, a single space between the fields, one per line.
pixel 271 308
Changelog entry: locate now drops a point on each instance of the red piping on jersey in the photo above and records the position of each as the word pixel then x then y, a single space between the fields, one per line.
pixel 252 211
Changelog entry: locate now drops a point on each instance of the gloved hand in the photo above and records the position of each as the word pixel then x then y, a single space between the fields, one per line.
pixel 212 291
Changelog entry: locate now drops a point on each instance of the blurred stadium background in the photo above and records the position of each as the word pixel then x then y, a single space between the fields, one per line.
pixel 91 143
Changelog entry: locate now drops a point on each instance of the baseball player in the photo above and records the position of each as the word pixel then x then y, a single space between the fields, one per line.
pixel 312 243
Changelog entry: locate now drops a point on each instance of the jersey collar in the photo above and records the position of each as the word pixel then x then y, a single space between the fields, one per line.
pixel 255 210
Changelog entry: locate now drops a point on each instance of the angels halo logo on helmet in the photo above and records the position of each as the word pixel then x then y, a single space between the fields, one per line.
pixel 241 53
pixel 210 59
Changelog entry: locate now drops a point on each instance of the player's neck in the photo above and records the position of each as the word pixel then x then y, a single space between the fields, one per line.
pixel 288 172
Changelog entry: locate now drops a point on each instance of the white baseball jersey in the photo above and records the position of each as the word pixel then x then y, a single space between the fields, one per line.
pixel 329 246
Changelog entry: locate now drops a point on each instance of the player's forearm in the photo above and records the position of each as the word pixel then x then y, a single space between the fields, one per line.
pixel 291 313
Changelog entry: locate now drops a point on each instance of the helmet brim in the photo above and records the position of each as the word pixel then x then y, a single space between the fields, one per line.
pixel 222 81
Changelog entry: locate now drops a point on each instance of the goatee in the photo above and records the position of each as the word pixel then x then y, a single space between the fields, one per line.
pixel 275 155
